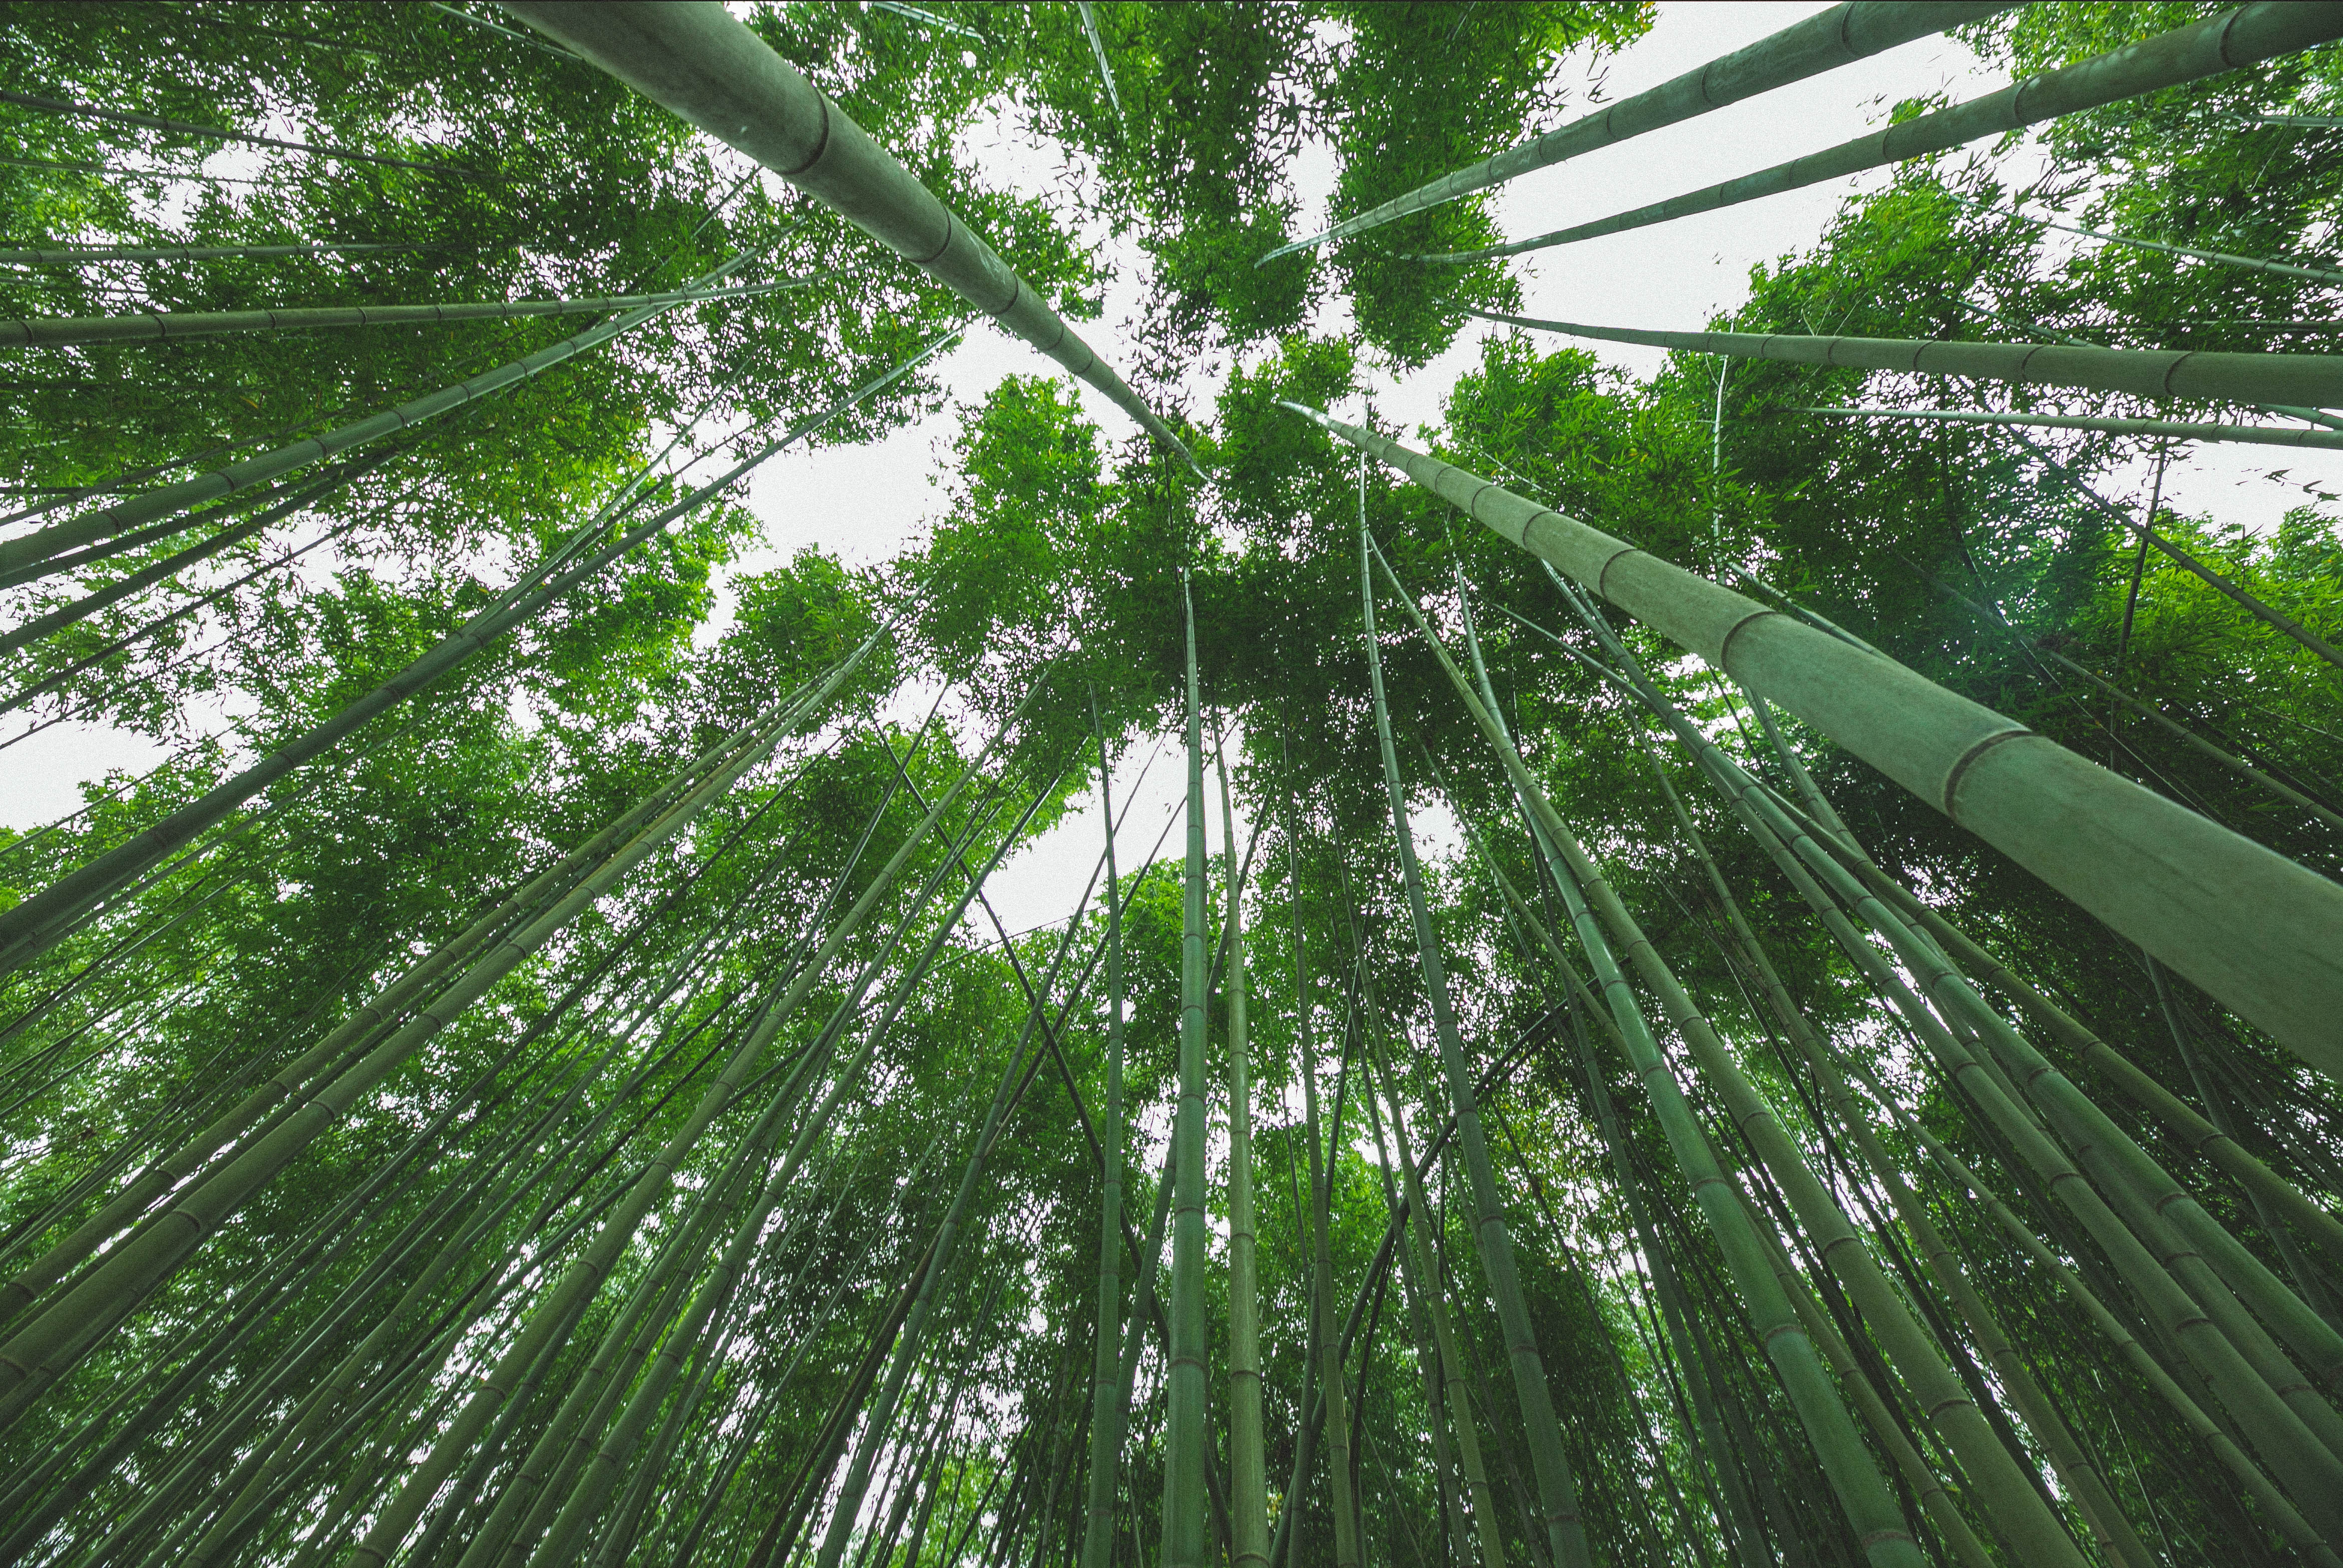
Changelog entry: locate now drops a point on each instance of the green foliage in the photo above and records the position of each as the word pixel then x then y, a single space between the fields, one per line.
pixel 1051 578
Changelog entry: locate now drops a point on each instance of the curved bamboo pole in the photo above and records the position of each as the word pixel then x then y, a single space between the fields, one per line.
pixel 2316 379
pixel 1851 31
pixel 2116 1538
pixel 2249 33
pixel 169 327
pixel 2168 429
pixel 2246 925
pixel 704 66
pixel 2283 1514
pixel 1862 1492
pixel 1422 1278
pixel 1328 1368
pixel 397 1516
pixel 2195 1131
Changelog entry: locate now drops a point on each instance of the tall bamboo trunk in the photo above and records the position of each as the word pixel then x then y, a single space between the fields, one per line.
pixel 1862 1492
pixel 2250 927
pixel 2236 38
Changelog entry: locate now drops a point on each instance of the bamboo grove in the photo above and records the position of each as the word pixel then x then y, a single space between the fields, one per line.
pixel 1741 969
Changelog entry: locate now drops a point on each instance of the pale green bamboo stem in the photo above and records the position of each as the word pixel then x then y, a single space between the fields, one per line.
pixel 2282 1514
pixel 1839 36
pixel 2315 379
pixel 52 1341
pixel 1862 1492
pixel 1021 1069
pixel 2197 743
pixel 2275 1422
pixel 2224 43
pixel 75 255
pixel 1248 1478
pixel 2115 1537
pixel 392 1522
pixel 1456 1391
pixel 219 133
pixel 26 929
pixel 704 66
pixel 340 1044
pixel 2179 1119
pixel 2254 930
pixel 1934 1496
pixel 1186 1540
pixel 1331 1381
pixel 1452 1518
pixel 2158 1208
pixel 2166 1212
pixel 2165 429
pixel 1326 1369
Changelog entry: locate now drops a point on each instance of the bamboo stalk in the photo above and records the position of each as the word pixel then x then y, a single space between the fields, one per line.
pixel 2236 38
pixel 2116 1536
pixel 2316 379
pixel 2283 1514
pixel 396 1517
pixel 75 255
pixel 1862 1494
pixel 221 133
pixel 1839 36
pixel 2257 931
pixel 2166 429
pixel 2273 1412
pixel 704 66
pixel 1108 1413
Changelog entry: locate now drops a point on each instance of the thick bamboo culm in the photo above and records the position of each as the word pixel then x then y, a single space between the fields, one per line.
pixel 1862 1495
pixel 1854 30
pixel 703 64
pixel 2244 36
pixel 169 327
pixel 2164 429
pixel 2314 380
pixel 2246 925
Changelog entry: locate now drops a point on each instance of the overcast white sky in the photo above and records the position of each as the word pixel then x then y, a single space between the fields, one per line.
pixel 867 503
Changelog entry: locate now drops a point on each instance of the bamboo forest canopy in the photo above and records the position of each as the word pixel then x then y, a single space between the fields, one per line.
pixel 1744 963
